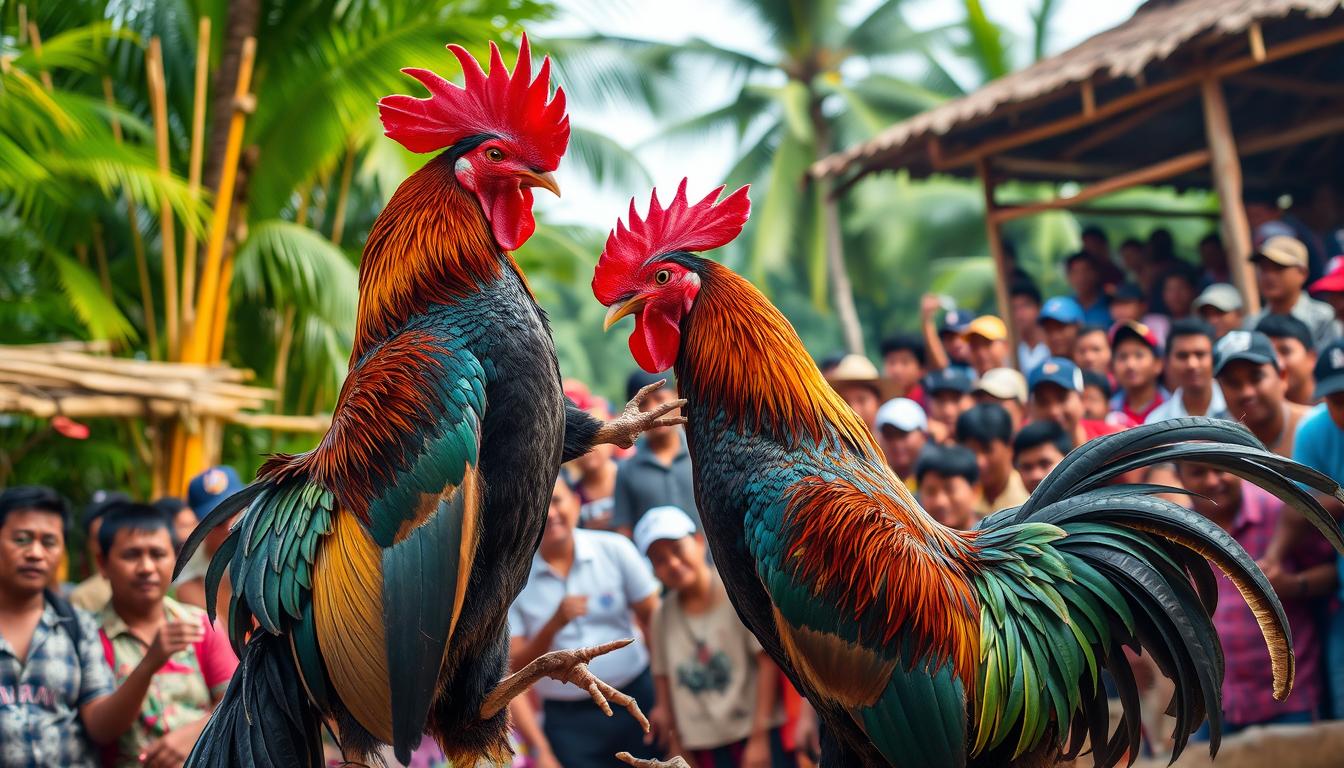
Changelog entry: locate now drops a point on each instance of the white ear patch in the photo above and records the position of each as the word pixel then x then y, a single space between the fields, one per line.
pixel 466 174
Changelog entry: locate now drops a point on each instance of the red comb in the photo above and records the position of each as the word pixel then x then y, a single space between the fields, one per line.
pixel 678 227
pixel 510 105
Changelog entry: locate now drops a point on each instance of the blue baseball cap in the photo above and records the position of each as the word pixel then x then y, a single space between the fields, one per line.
pixel 955 321
pixel 211 487
pixel 1059 371
pixel 1062 309
pixel 951 379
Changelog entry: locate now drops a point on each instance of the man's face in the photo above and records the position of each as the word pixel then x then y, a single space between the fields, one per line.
pixel 1095 403
pixel 862 399
pixel 1092 352
pixel 946 405
pixel 1125 310
pixel 1335 404
pixel 1059 337
pixel 1051 402
pixel 902 369
pixel 1212 256
pixel 31 545
pixel 1221 321
pixel 901 448
pixel 954 344
pixel 139 566
pixel 1217 493
pixel 678 562
pixel 1083 277
pixel 994 459
pixel 184 522
pixel 91 542
pixel 668 393
pixel 1254 393
pixel 1298 361
pixel 1025 311
pixel 1277 282
pixel 1034 464
pixel 1134 257
pixel 1191 361
pixel 1096 246
pixel 950 500
pixel 562 515
pixel 986 353
pixel 1178 294
pixel 1135 365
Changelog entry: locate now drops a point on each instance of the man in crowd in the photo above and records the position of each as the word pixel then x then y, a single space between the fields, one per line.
pixel 1220 306
pixel 1097 394
pixel 1330 288
pixel 1281 272
pixel 1293 344
pixel 1250 515
pixel 659 473
pixel 1092 349
pixel 1061 317
pixel 903 366
pixel 137 550
pixel 1213 260
pixel 1037 450
pixel 949 393
pixel 1190 367
pixel 1137 364
pixel 903 431
pixel 55 685
pixel 1130 302
pixel 1085 278
pixel 718 691
pixel 856 380
pixel 1254 385
pixel 949 485
pixel 1024 299
pixel 585 588
pixel 943 341
pixel 987 430
pixel 1178 292
pixel 987 343
pixel 1005 387
pixel 93 593
pixel 1056 395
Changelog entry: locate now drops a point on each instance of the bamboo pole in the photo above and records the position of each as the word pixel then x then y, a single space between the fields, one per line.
pixel 137 242
pixel 23 24
pixel 992 231
pixel 168 232
pixel 1226 168
pixel 305 199
pixel 194 170
pixel 338 216
pixel 37 53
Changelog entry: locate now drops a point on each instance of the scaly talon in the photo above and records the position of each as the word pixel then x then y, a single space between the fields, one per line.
pixel 568 666
pixel 676 762
pixel 623 429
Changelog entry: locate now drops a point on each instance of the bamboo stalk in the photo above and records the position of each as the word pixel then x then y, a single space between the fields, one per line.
pixel 137 243
pixel 338 216
pixel 23 24
pixel 168 232
pixel 194 170
pixel 82 254
pixel 305 199
pixel 37 53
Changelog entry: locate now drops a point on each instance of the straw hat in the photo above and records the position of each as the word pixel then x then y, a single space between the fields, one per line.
pixel 857 369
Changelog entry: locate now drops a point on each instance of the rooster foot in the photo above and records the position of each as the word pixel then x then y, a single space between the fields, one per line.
pixel 570 666
pixel 676 762
pixel 622 430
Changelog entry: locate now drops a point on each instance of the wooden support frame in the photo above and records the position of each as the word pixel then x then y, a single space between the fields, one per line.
pixel 993 231
pixel 1226 168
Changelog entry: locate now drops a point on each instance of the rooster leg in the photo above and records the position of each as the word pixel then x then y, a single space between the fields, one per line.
pixel 570 667
pixel 622 430
pixel 676 762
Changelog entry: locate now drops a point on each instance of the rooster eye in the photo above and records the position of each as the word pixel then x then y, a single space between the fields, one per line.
pixel 662 276
pixel 494 154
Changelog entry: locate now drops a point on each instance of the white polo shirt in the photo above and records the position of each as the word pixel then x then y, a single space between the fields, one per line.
pixel 609 570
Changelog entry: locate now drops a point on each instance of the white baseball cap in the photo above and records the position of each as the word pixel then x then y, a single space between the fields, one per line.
pixel 666 522
pixel 1004 384
pixel 903 414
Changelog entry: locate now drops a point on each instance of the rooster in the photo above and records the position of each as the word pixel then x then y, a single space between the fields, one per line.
pixel 372 575
pixel 921 646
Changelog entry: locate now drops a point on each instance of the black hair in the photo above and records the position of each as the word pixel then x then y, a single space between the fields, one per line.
pixel 947 461
pixel 132 516
pixel 1079 256
pixel 38 498
pixel 1133 242
pixel 904 342
pixel 1038 433
pixel 1025 288
pixel 1098 380
pixel 1189 326
pixel 1092 328
pixel 1092 230
pixel 639 379
pixel 1181 271
pixel 1212 237
pixel 171 505
pixel 1286 327
pixel 830 362
pixel 985 422
pixel 99 504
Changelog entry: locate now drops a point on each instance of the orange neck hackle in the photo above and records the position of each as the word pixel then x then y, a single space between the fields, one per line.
pixel 739 351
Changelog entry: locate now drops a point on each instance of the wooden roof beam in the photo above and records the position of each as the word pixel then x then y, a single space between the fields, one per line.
pixel 1271 82
pixel 1108 133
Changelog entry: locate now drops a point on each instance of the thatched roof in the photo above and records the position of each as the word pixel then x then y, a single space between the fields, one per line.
pixel 1164 42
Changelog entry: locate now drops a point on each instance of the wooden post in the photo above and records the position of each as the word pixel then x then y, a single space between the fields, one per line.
pixel 137 243
pixel 1001 272
pixel 167 231
pixel 1226 168
pixel 194 170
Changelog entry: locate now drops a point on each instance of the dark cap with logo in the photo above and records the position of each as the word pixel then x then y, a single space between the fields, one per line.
pixel 1059 371
pixel 948 380
pixel 210 487
pixel 1330 369
pixel 1251 346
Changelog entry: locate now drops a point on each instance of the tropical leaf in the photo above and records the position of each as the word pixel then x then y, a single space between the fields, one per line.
pixel 605 160
pixel 96 310
pixel 286 264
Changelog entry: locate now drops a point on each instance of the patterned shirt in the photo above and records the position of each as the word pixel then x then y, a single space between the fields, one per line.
pixel 182 691
pixel 40 698
pixel 1247 686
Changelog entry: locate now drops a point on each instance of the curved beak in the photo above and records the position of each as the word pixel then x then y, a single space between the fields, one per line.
pixel 621 309
pixel 544 180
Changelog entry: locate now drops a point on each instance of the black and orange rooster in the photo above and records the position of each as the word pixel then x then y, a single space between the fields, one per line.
pixel 922 646
pixel 372 575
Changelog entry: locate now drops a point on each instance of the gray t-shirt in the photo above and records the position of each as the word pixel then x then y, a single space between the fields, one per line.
pixel 1318 316
pixel 643 482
